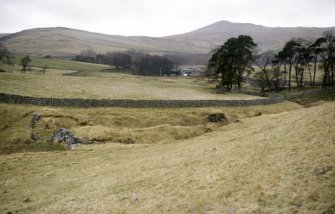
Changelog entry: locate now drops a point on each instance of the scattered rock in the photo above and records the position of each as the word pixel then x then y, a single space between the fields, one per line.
pixel 72 147
pixel 127 141
pixel 63 135
pixel 229 211
pixel 322 171
pixel 27 200
pixel 9 212
pixel 298 204
pixel 134 198
pixel 34 137
pixel 35 119
pixel 258 113
pixel 208 130
pixel 92 141
pixel 83 123
pixel 208 208
pixel 217 117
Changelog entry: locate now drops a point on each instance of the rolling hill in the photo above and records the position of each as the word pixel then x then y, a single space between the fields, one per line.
pixel 266 37
pixel 60 41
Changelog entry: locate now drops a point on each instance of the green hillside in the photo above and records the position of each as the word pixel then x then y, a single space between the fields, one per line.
pixel 60 64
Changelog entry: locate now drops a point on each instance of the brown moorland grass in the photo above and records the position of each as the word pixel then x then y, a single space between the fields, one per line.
pixel 110 86
pixel 148 126
pixel 264 164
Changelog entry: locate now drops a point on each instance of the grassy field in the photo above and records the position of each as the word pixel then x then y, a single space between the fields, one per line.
pixel 109 86
pixel 264 159
pixel 279 162
pixel 60 64
pixel 68 79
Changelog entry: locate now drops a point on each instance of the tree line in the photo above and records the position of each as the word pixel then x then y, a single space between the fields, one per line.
pixel 237 58
pixel 5 59
pixel 139 63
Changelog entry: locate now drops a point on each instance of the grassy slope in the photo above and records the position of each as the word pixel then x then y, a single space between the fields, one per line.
pixel 261 164
pixel 312 99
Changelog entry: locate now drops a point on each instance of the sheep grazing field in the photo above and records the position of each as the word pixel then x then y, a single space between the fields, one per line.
pixel 276 158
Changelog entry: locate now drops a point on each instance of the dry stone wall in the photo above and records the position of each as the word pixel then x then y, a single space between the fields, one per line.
pixel 124 103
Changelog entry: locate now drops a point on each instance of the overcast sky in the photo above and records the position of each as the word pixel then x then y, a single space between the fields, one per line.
pixel 160 17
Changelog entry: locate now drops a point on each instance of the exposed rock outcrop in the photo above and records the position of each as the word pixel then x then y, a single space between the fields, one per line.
pixel 65 136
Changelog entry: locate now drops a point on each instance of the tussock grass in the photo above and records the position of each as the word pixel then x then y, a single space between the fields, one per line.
pixel 263 164
pixel 149 126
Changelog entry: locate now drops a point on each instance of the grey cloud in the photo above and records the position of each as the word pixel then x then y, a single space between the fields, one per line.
pixel 160 17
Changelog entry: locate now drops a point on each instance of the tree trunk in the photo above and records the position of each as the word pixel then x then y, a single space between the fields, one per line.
pixel 301 78
pixel 297 71
pixel 268 82
pixel 284 84
pixel 333 85
pixel 332 75
pixel 325 76
pixel 289 77
pixel 310 76
pixel 315 59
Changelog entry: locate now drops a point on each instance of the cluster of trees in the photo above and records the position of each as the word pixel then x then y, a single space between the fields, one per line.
pixel 4 55
pixel 118 59
pixel 6 63
pixel 140 63
pixel 152 65
pixel 25 63
pixel 5 59
pixel 230 61
pixel 275 71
